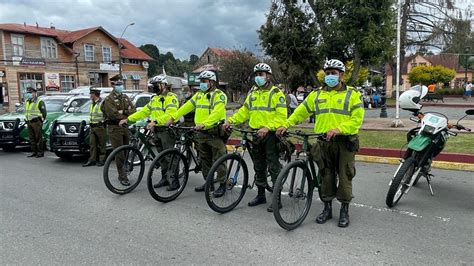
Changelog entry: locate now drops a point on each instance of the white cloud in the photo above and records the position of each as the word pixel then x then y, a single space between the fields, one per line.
pixel 184 27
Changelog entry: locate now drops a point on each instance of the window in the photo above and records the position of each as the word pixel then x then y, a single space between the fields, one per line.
pixel 106 54
pixel 30 80
pixel 422 64
pixel 67 82
pixel 18 45
pixel 132 61
pixel 49 48
pixel 135 84
pixel 89 52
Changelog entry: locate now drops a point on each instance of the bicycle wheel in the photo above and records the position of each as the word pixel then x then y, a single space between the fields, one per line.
pixel 171 167
pixel 292 195
pixel 123 168
pixel 400 182
pixel 235 181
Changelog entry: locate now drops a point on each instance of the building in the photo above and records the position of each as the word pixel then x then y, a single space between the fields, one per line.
pixel 210 59
pixel 447 60
pixel 51 59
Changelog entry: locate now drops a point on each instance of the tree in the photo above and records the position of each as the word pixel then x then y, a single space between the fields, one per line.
pixel 289 36
pixel 173 66
pixel 427 75
pixel 361 31
pixel 377 81
pixel 237 70
pixel 193 59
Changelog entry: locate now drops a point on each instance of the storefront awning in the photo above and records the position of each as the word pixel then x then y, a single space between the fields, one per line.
pixel 136 77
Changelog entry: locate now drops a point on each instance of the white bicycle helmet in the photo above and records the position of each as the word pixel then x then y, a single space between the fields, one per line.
pixel 206 74
pixel 334 64
pixel 409 100
pixel 262 67
pixel 159 79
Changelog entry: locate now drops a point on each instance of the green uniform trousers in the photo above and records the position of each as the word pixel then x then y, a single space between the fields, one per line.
pixel 265 158
pixel 118 136
pixel 336 163
pixel 210 148
pixel 97 144
pixel 164 140
pixel 36 136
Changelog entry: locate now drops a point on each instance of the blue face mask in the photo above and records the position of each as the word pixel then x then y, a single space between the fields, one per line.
pixel 260 81
pixel 28 95
pixel 331 80
pixel 203 86
pixel 119 88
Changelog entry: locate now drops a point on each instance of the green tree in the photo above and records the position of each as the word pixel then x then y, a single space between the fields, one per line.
pixel 427 75
pixel 193 59
pixel 377 81
pixel 237 70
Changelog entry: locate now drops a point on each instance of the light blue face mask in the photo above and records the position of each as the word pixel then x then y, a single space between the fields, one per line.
pixel 331 80
pixel 203 86
pixel 28 95
pixel 119 88
pixel 260 81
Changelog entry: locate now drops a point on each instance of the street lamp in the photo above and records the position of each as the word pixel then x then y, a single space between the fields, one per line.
pixel 466 51
pixel 120 48
pixel 76 55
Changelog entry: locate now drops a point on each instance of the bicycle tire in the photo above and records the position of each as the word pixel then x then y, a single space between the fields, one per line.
pixel 113 185
pixel 176 159
pixel 230 160
pixel 397 189
pixel 292 196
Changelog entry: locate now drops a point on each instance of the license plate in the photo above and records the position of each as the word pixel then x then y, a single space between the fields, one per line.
pixel 69 142
pixel 7 136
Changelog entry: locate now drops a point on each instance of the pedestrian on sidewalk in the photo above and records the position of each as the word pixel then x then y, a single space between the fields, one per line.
pixel 468 91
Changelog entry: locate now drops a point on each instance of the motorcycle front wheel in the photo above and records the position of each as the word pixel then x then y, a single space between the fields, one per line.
pixel 400 182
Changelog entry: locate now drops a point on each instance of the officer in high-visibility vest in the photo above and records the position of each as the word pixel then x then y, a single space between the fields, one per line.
pixel 265 108
pixel 35 114
pixel 159 109
pixel 97 130
pixel 209 105
pixel 339 113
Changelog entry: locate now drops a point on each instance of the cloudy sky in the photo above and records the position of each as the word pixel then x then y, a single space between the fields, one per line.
pixel 183 27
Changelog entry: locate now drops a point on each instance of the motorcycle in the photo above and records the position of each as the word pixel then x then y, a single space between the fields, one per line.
pixel 424 143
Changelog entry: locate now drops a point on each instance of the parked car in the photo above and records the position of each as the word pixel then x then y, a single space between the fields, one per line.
pixel 13 128
pixel 85 90
pixel 70 133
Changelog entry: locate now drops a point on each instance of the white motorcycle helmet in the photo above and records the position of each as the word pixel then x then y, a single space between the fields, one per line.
pixel 409 100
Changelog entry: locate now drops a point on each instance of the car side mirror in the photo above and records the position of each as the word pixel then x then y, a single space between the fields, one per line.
pixel 470 112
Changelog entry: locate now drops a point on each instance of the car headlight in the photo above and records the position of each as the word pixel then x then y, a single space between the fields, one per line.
pixel 429 129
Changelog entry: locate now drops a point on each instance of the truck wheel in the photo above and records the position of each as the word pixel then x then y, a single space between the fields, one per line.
pixel 9 147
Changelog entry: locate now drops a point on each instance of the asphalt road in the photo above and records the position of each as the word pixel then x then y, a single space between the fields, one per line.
pixel 55 211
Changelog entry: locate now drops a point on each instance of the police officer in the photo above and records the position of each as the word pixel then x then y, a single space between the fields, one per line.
pixel 209 106
pixel 97 130
pixel 339 114
pixel 160 108
pixel 118 106
pixel 35 114
pixel 265 108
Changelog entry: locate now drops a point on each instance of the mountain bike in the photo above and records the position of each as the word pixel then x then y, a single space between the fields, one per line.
pixel 236 178
pixel 293 191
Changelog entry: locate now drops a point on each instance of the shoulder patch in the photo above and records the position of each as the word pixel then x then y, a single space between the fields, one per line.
pixel 222 97
pixel 282 99
pixel 174 101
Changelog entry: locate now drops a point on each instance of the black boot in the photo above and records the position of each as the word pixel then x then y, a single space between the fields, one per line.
pixel 326 214
pixel 220 191
pixel 200 188
pixel 89 163
pixel 34 154
pixel 344 215
pixel 163 182
pixel 174 185
pixel 260 198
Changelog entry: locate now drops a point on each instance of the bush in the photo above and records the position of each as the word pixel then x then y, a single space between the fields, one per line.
pixel 449 91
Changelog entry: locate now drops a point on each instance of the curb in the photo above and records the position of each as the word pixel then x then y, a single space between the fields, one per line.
pixel 436 164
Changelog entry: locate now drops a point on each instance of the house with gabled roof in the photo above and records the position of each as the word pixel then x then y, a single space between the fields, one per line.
pixel 53 59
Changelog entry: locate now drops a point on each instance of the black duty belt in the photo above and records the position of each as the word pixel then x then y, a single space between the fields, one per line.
pixel 112 122
pixel 97 125
pixel 34 120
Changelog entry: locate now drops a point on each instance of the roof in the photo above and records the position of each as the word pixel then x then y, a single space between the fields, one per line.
pixel 130 51
pixel 210 67
pixel 220 51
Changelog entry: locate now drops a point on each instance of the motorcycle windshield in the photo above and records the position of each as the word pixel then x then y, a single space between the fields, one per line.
pixel 419 143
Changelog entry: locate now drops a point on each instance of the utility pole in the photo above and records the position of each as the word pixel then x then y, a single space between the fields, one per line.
pixel 120 48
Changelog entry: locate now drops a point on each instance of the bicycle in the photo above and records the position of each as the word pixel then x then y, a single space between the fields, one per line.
pixel 134 155
pixel 235 165
pixel 292 200
pixel 176 168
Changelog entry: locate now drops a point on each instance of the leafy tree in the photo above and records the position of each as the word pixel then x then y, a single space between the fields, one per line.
pixel 193 59
pixel 173 66
pixel 427 75
pixel 237 70
pixel 377 81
